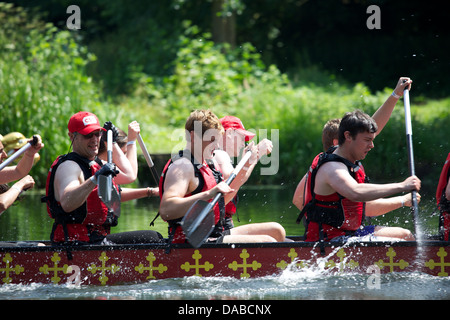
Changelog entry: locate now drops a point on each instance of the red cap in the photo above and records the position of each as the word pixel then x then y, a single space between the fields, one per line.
pixel 230 122
pixel 84 123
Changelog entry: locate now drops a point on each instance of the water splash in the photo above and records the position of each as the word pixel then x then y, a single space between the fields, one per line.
pixel 315 282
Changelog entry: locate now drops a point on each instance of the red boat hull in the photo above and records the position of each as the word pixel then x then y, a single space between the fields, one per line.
pixel 108 265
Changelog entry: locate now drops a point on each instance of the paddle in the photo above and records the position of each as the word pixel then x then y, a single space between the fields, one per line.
pixel 415 206
pixel 151 165
pixel 147 157
pixel 19 152
pixel 106 192
pixel 198 223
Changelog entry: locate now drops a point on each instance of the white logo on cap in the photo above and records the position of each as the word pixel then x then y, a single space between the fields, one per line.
pixel 89 120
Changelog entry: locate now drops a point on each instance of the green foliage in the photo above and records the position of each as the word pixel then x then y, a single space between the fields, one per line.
pixel 141 38
pixel 236 82
pixel 208 76
pixel 42 81
pixel 134 46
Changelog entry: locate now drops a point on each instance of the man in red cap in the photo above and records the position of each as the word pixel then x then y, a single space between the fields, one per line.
pixel 234 140
pixel 72 195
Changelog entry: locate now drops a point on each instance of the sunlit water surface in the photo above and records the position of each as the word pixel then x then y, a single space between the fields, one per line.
pixel 289 285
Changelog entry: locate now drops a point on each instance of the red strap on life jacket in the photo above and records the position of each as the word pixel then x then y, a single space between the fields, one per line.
pixel 443 179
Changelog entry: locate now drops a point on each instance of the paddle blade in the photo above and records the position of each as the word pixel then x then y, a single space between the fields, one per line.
pixel 108 194
pixel 115 202
pixel 198 223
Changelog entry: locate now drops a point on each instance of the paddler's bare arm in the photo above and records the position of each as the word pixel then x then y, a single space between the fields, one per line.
pixel 334 177
pixel 127 164
pixel 180 181
pixel 225 166
pixel 126 172
pixel 133 131
pixel 298 199
pixel 223 161
pixel 382 115
pixel 263 148
pixel 70 188
pixel 381 206
pixel 7 198
pixel 13 173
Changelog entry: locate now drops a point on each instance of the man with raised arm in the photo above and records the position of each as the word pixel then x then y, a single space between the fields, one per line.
pixel 340 196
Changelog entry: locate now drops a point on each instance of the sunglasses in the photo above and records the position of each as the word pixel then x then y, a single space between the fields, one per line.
pixel 97 134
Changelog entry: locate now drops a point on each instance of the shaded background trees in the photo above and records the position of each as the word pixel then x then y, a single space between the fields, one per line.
pixel 288 65
pixel 129 38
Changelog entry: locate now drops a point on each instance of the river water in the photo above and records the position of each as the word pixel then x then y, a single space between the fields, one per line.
pixel 28 220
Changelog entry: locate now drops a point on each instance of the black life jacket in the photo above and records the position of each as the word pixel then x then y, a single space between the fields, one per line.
pixel 92 226
pixel 340 215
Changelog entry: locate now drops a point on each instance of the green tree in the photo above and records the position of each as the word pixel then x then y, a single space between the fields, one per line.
pixel 43 81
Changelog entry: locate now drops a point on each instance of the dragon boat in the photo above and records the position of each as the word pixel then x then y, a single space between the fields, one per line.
pixel 39 262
